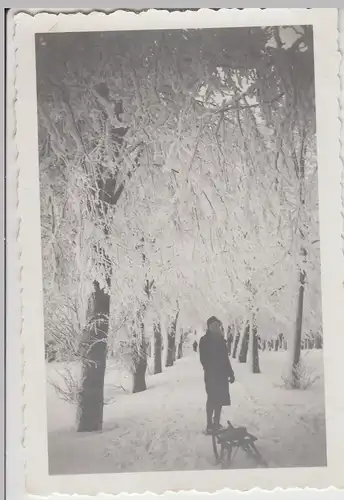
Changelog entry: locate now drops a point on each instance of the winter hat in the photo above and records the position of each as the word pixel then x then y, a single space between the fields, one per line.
pixel 213 319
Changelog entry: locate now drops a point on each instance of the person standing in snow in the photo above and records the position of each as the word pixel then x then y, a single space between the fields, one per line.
pixel 195 345
pixel 218 372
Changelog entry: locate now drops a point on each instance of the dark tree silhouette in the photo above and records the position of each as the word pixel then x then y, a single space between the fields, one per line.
pixel 236 344
pixel 244 345
pixel 171 342
pixel 157 348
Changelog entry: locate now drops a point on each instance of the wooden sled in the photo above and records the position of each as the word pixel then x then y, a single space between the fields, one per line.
pixel 227 441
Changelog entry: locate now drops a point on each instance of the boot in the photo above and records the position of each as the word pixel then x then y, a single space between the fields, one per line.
pixel 217 415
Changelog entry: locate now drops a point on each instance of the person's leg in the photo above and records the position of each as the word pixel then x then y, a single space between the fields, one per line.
pixel 217 415
pixel 210 411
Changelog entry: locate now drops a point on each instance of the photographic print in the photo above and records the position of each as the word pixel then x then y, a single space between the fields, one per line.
pixel 180 248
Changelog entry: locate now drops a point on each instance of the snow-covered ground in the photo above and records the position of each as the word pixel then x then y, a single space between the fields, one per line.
pixel 161 428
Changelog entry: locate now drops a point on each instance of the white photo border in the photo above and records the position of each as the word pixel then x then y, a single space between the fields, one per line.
pixel 327 59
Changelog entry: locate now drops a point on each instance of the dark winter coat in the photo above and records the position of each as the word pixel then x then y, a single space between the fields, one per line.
pixel 217 368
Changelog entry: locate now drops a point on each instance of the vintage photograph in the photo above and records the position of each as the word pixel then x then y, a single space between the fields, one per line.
pixel 180 236
pixel 180 245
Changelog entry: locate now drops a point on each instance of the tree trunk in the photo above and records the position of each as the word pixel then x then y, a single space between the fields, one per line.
pixel 180 349
pixel 139 375
pixel 300 169
pixel 298 333
pixel 171 342
pixel 229 340
pixel 255 351
pixel 244 345
pixel 140 348
pixel 94 349
pixel 318 341
pixel 169 356
pixel 157 348
pixel 280 341
pixel 259 343
pixel 236 343
pixel 276 345
pixel 174 350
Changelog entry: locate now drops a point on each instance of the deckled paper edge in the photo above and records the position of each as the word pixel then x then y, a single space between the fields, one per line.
pixel 15 450
pixel 341 107
pixel 192 12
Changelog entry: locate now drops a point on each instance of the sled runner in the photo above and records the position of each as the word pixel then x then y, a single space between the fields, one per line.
pixel 227 441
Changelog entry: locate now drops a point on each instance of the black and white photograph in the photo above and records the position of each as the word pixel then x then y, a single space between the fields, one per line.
pixel 180 249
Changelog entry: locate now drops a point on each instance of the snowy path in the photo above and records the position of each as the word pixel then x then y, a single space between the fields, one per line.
pixel 161 429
